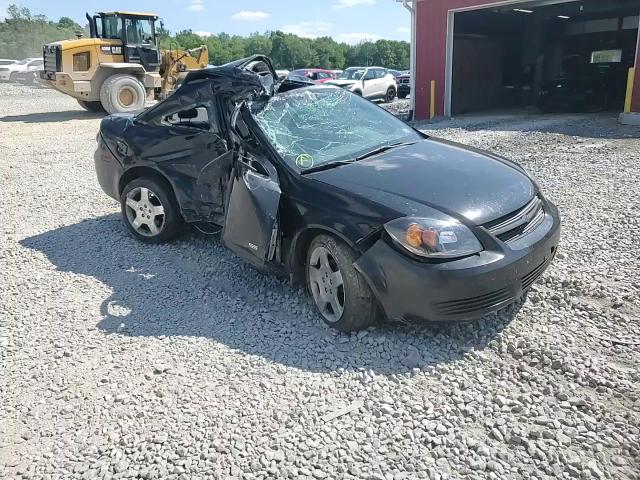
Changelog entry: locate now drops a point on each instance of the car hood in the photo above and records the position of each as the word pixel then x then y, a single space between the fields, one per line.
pixel 457 180
pixel 341 83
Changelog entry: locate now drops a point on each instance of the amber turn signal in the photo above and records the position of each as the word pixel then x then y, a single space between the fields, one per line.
pixel 418 236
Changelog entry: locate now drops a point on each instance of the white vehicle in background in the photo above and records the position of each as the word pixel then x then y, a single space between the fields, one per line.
pixel 9 72
pixel 7 61
pixel 369 82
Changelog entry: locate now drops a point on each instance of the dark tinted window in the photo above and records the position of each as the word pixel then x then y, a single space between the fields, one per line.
pixel 196 116
pixel 112 27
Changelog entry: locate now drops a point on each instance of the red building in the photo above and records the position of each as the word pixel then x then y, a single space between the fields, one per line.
pixel 478 55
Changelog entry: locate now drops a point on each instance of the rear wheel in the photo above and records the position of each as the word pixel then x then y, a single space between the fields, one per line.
pixel 122 93
pixel 150 211
pixel 95 107
pixel 390 95
pixel 339 292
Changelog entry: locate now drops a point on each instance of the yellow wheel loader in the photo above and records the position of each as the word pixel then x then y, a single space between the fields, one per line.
pixel 120 66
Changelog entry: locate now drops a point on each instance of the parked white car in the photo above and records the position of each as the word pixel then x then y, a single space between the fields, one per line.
pixel 369 82
pixel 26 65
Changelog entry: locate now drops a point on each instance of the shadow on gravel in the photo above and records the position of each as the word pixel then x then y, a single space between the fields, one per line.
pixel 593 125
pixel 197 288
pixel 52 116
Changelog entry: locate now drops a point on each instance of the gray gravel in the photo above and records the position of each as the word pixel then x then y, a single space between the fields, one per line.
pixel 123 360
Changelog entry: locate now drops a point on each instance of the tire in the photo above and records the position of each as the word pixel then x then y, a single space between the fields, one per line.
pixel 122 93
pixel 402 96
pixel 353 296
pixel 94 107
pixel 390 95
pixel 167 220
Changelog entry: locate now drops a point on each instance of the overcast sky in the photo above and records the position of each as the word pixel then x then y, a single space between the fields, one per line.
pixel 345 20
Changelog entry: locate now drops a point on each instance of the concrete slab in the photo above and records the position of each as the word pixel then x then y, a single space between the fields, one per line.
pixel 629 118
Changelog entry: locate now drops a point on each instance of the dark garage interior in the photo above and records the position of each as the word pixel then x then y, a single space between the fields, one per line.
pixel 556 56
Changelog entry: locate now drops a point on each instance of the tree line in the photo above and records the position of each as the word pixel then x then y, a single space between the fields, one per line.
pixel 22 34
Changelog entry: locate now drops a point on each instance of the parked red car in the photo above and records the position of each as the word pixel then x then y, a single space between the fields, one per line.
pixel 318 75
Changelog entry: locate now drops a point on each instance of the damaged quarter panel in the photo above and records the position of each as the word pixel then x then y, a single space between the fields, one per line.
pixel 183 138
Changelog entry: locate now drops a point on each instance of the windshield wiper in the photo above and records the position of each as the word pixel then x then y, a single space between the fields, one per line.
pixel 326 166
pixel 338 163
pixel 382 148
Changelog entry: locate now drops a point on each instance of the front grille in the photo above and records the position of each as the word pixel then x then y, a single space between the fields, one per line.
pixel 52 56
pixel 473 304
pixel 516 225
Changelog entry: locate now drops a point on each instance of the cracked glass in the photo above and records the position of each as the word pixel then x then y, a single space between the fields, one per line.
pixel 316 125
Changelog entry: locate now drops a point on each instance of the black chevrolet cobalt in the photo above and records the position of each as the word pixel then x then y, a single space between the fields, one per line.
pixel 324 187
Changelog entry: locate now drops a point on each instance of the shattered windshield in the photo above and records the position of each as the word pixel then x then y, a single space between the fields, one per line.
pixel 316 125
pixel 353 73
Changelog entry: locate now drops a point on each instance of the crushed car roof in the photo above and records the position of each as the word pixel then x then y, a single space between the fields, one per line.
pixel 242 78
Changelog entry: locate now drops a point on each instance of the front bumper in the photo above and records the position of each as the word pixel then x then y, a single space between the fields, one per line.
pixel 404 89
pixel 108 170
pixel 411 290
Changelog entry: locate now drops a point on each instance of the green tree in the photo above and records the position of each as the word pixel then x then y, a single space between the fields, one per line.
pixel 258 44
pixel 23 34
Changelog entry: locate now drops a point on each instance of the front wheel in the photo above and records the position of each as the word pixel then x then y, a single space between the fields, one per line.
pixel 339 292
pixel 390 95
pixel 150 211
pixel 122 93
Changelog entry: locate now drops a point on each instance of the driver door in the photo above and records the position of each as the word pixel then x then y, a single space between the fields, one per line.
pixel 251 222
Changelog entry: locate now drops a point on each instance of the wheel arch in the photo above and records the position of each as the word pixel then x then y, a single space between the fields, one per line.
pixel 145 171
pixel 300 245
pixel 105 71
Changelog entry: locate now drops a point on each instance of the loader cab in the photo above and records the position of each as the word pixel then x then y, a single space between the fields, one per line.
pixel 136 31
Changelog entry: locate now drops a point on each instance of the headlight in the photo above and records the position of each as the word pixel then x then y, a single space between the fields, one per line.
pixel 434 237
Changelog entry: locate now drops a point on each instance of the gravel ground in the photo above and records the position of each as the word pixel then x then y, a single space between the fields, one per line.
pixel 123 360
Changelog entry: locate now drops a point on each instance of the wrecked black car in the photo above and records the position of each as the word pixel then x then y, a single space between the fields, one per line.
pixel 326 188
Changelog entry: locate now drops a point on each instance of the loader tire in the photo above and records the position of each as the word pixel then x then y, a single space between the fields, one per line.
pixel 122 93
pixel 94 107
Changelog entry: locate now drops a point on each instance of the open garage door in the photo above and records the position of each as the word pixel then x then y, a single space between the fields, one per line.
pixel 554 55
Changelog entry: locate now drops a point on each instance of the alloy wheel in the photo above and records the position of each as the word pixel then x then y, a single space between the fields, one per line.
pixel 390 95
pixel 145 212
pixel 327 286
